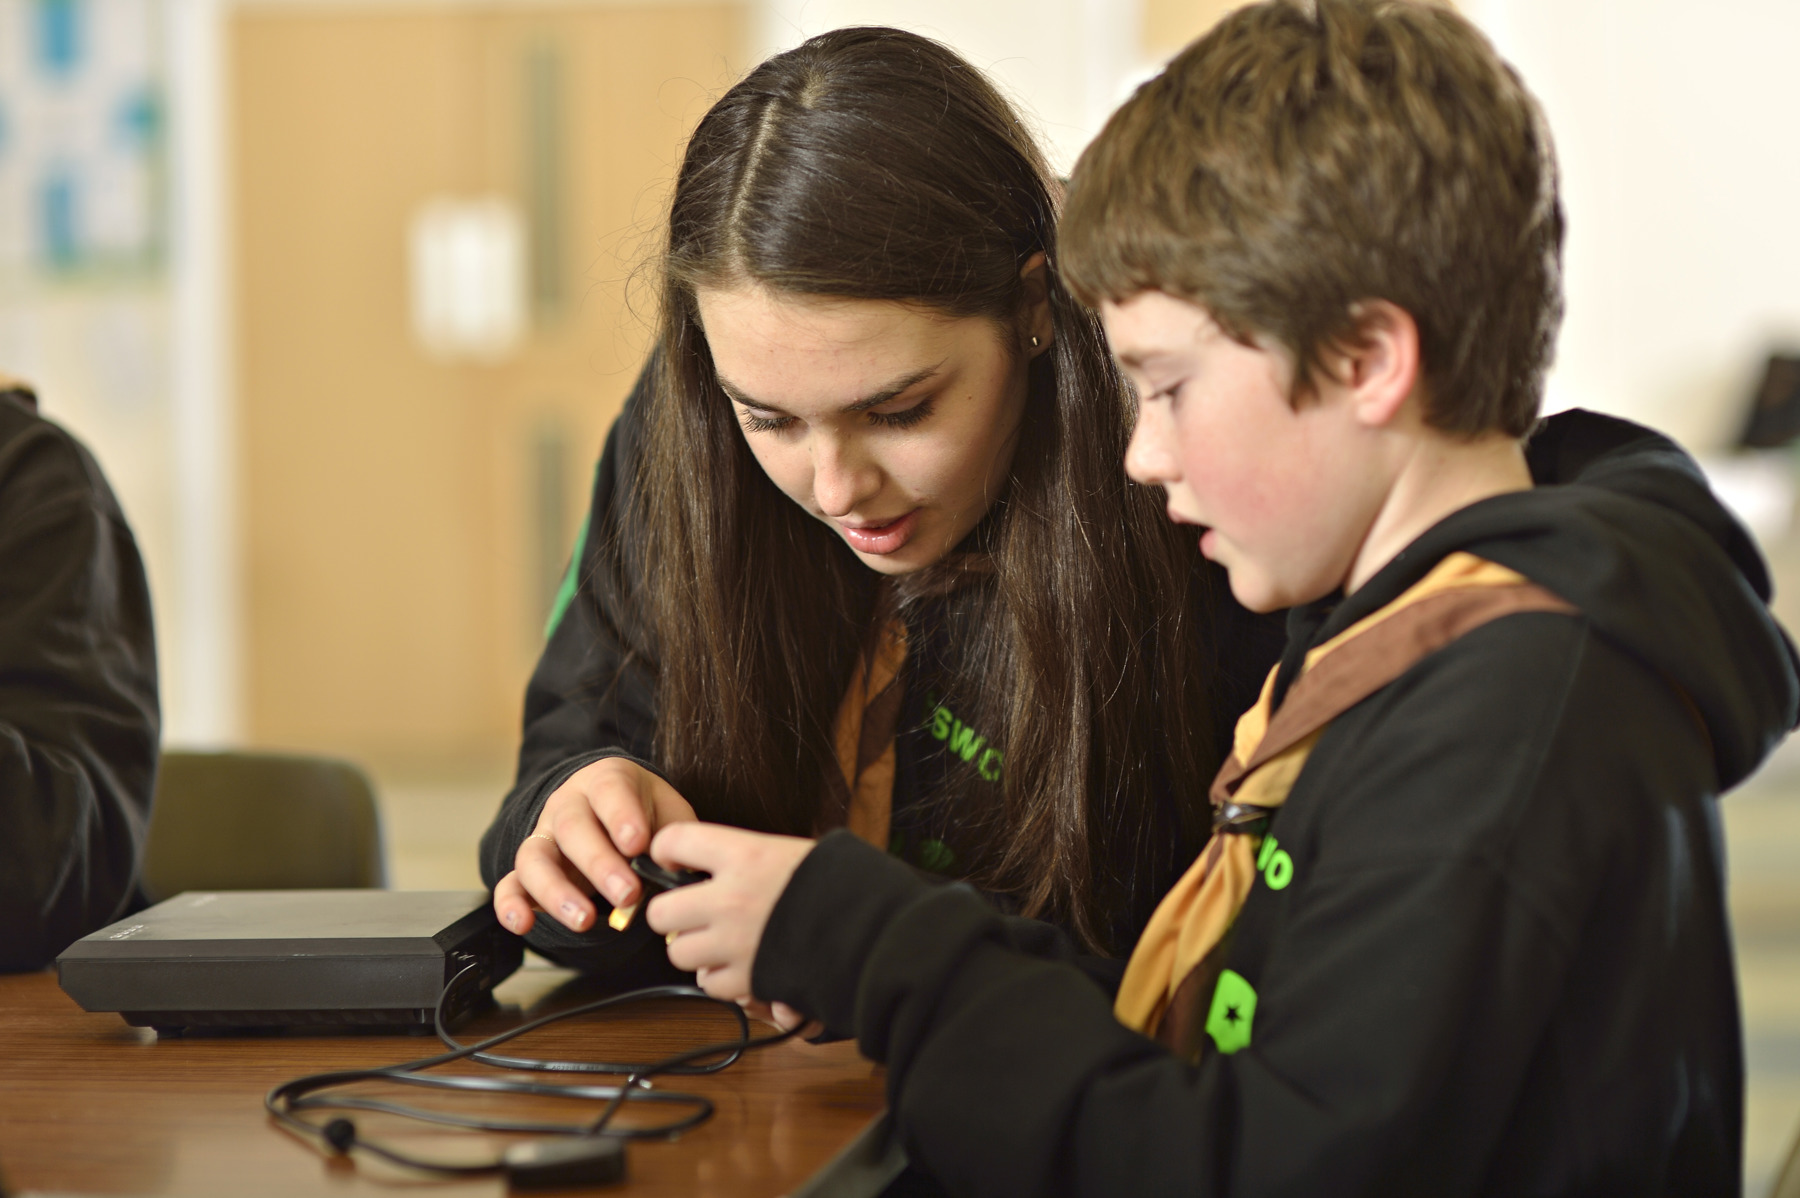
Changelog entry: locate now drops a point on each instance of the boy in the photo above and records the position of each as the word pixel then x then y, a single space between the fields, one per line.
pixel 1460 928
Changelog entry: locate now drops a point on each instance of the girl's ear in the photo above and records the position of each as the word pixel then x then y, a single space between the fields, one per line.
pixel 1381 367
pixel 1036 329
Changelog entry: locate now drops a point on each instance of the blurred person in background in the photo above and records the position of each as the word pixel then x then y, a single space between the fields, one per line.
pixel 79 720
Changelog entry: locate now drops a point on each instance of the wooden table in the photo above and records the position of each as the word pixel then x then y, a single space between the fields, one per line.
pixel 91 1105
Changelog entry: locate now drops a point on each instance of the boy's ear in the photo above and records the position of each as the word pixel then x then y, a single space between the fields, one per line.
pixel 1035 319
pixel 1380 368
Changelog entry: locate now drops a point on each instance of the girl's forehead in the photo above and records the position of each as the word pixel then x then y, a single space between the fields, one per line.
pixel 784 349
pixel 823 319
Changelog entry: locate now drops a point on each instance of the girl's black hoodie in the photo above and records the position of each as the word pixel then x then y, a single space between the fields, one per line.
pixel 593 695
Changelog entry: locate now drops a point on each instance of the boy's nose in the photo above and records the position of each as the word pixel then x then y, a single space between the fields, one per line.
pixel 1150 458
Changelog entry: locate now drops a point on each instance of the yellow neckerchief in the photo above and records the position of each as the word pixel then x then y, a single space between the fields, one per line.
pixel 861 795
pixel 1270 749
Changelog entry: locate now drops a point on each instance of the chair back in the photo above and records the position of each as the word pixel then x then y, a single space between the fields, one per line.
pixel 260 821
pixel 1787 1182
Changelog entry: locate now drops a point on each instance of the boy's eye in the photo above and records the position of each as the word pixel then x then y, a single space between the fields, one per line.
pixel 1171 393
pixel 902 419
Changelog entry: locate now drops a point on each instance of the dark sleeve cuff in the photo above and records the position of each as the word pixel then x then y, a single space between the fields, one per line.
pixel 600 948
pixel 520 810
pixel 825 925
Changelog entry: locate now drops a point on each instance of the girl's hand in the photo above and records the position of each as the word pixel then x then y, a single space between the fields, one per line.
pixel 590 828
pixel 715 926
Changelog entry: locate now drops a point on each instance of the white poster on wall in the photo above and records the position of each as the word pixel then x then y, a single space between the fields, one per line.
pixel 81 137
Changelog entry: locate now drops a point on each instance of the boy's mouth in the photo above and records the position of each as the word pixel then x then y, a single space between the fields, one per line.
pixel 1177 516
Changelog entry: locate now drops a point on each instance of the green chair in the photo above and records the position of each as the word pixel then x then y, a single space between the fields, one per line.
pixel 258 821
pixel 1787 1182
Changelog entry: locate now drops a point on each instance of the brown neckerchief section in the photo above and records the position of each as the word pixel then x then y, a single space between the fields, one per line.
pixel 1366 663
pixel 859 792
pixel 1341 680
pixel 1182 1028
pixel 1188 939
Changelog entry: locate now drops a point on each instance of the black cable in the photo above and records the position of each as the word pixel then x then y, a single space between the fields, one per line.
pixel 340 1136
pixel 644 995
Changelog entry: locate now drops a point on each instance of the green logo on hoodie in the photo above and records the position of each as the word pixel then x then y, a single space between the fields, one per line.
pixel 965 742
pixel 1233 1009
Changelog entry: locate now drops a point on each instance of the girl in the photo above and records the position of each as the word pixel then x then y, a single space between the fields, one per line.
pixel 860 551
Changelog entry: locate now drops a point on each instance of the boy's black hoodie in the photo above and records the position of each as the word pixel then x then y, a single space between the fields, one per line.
pixel 1502 964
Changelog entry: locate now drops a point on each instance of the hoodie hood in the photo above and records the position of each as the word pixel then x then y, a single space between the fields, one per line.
pixel 1623 525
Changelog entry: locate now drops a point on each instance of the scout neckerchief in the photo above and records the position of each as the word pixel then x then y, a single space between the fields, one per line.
pixel 1176 964
pixel 859 793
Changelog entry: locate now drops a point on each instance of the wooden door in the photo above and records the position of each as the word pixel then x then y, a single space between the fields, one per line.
pixel 404 519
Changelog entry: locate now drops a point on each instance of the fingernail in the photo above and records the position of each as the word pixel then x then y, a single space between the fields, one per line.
pixel 618 888
pixel 628 833
pixel 512 919
pixel 573 915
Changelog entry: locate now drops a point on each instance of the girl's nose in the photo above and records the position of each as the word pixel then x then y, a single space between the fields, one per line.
pixel 842 477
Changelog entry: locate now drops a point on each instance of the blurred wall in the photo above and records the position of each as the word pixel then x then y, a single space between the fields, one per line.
pixel 1676 126
pixel 349 540
pixel 1168 25
pixel 1064 61
pixel 405 518
pixel 1067 63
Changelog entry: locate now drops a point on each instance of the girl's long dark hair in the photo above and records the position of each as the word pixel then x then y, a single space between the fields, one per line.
pixel 876 164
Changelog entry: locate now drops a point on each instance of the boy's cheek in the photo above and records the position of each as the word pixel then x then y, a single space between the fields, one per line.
pixel 1181 503
pixel 1250 585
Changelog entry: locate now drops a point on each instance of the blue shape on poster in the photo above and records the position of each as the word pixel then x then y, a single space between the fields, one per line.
pixel 138 118
pixel 58 215
pixel 59 36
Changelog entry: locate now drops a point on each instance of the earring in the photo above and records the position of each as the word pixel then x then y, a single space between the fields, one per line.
pixel 1034 341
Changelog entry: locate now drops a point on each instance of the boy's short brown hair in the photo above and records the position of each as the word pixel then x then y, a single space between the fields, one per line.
pixel 1302 157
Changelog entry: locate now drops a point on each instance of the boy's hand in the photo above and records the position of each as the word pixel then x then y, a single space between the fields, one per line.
pixel 715 926
pixel 590 828
pixel 779 1015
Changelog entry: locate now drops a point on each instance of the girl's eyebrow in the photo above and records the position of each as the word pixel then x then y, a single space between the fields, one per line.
pixel 893 390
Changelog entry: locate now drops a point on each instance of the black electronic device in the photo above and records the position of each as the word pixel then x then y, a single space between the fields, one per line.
pixel 656 879
pixel 283 960
pixel 564 1164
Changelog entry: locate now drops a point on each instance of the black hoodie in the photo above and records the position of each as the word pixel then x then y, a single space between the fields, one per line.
pixel 1502 964
pixel 78 708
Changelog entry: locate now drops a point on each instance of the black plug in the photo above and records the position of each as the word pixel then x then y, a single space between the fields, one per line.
pixel 340 1134
pixel 657 879
pixel 562 1164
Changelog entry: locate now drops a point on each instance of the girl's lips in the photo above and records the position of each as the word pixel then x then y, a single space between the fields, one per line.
pixel 881 539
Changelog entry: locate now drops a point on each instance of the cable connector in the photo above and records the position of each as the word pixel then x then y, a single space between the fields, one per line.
pixel 564 1164
pixel 340 1134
